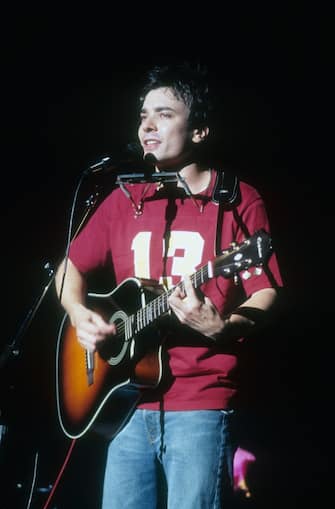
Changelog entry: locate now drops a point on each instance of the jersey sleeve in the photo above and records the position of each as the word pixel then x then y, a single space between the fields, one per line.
pixel 91 248
pixel 251 217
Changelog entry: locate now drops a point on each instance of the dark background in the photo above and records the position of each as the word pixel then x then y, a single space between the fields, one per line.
pixel 68 85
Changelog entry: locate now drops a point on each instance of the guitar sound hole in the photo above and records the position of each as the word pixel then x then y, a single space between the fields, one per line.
pixel 114 346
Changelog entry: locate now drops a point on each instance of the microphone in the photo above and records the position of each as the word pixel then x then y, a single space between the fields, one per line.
pixel 150 159
pixel 131 159
pixel 105 165
pixel 135 149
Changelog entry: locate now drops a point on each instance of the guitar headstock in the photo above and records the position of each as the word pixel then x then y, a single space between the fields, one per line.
pixel 253 251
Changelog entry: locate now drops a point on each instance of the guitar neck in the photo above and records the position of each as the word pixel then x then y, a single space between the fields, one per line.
pixel 253 251
pixel 160 305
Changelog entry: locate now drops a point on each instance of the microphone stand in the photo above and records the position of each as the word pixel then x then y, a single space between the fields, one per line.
pixel 12 349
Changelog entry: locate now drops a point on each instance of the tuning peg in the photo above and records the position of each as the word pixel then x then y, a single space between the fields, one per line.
pixel 246 274
pixel 258 271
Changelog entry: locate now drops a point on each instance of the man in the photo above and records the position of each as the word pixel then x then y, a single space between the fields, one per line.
pixel 179 443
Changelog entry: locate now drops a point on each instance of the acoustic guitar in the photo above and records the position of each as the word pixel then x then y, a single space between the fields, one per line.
pixel 130 361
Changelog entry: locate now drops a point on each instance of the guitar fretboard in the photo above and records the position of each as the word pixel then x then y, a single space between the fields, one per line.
pixel 160 305
pixel 253 251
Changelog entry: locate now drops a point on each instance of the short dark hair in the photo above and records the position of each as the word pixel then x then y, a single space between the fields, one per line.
pixel 189 83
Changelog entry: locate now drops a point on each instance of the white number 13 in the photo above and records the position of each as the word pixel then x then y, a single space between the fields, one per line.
pixel 190 243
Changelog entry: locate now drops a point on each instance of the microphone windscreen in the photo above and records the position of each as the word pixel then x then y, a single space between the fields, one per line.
pixel 149 158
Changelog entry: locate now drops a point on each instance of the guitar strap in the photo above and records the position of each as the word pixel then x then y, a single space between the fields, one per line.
pixel 226 193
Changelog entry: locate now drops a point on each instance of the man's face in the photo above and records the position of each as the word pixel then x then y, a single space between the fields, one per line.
pixel 164 129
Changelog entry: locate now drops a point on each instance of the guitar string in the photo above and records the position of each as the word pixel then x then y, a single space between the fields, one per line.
pixel 144 315
pixel 148 314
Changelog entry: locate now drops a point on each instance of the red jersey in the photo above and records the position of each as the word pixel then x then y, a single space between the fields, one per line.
pixel 172 236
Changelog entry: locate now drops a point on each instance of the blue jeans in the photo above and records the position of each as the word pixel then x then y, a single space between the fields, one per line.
pixel 173 460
